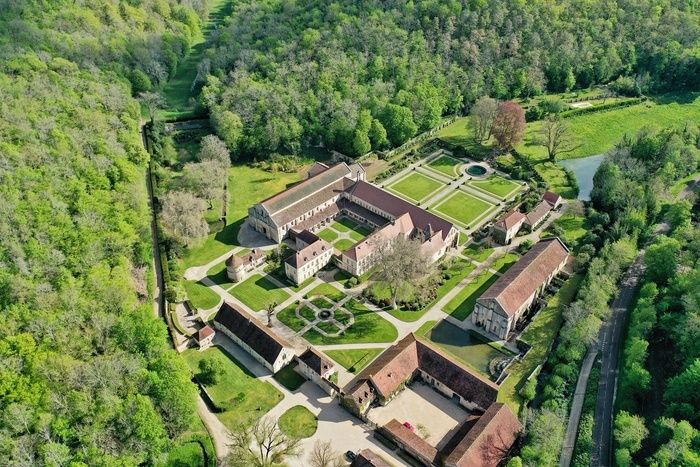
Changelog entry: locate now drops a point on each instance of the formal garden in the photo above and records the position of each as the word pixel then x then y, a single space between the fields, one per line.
pixel 464 209
pixel 416 187
pixel 344 233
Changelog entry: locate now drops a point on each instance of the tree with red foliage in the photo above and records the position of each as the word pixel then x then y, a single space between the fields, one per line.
pixel 509 125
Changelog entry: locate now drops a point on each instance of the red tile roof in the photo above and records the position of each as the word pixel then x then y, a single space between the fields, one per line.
pixel 535 216
pixel 205 332
pixel 408 438
pixel 244 260
pixel 308 253
pixel 488 441
pixel 368 458
pixel 552 198
pixel 510 220
pixel 518 283
pixel 401 226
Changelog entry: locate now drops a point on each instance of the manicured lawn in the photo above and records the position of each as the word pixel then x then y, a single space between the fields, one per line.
pixel 308 313
pixel 289 378
pixel 200 295
pixel 344 224
pixel 327 327
pixel 574 227
pixel 540 334
pixel 344 244
pixel 289 317
pixel 425 328
pixel 328 291
pixel 497 185
pixel 298 422
pixel 462 305
pixel 238 392
pixel 217 274
pixel 282 277
pixel 464 208
pixel 354 360
pixel 504 262
pixel 369 327
pixel 446 164
pixel 258 292
pixel 463 238
pixel 478 253
pixel 342 277
pixel 356 236
pixel 328 235
pixel 416 186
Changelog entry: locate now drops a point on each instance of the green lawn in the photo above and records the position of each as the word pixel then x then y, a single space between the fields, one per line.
pixel 354 360
pixel 446 164
pixel 599 131
pixel 217 274
pixel 282 277
pixel 201 296
pixel 298 422
pixel 540 334
pixel 369 327
pixel 425 328
pixel 258 292
pixel 239 393
pixel 504 262
pixel 185 454
pixel 328 235
pixel 574 227
pixel 344 244
pixel 328 291
pixel 289 378
pixel 497 185
pixel 416 186
pixel 464 208
pixel 342 277
pixel 478 253
pixel 344 224
pixel 289 317
pixel 462 305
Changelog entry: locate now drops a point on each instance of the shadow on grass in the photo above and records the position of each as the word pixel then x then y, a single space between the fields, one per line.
pixel 676 97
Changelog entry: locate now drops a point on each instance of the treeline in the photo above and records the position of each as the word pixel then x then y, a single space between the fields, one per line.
pixel 360 75
pixel 87 374
pixel 626 200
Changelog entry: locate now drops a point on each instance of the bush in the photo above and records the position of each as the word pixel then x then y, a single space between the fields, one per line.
pixel 626 86
pixel 352 282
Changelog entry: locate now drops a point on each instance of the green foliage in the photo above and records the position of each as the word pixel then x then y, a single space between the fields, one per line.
pixel 662 259
pixel 211 369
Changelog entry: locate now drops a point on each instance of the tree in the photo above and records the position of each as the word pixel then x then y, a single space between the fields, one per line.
pixel 680 215
pixel 400 262
pixel 661 259
pixel 260 443
pixel 183 216
pixel 629 431
pixel 204 179
pixel 509 125
pixel 153 101
pixel 483 113
pixel 229 127
pixel 211 369
pixel 377 135
pixel 556 137
pixel 683 393
pixel 399 124
pixel 270 313
pixel 213 149
pixel 323 455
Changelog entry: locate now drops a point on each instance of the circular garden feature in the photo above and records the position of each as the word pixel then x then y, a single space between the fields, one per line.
pixel 298 422
pixel 325 314
pixel 476 170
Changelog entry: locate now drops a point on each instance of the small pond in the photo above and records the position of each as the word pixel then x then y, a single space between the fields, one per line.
pixel 584 168
pixel 467 346
pixel 325 314
pixel 476 170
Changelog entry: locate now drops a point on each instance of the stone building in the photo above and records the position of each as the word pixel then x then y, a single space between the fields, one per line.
pixel 505 229
pixel 535 217
pixel 318 368
pixel 238 268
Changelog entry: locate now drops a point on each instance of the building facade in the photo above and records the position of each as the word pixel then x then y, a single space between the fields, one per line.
pixel 239 268
pixel 507 228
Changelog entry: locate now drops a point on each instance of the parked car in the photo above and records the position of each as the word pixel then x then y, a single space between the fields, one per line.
pixel 350 455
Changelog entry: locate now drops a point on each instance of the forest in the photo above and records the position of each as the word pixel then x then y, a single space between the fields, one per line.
pixel 361 75
pixel 87 376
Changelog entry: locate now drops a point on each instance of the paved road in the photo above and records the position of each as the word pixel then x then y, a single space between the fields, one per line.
pixel 610 340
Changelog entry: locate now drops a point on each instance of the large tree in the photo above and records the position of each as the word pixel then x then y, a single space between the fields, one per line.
pixel 204 179
pixel 556 137
pixel 211 148
pixel 260 443
pixel 324 455
pixel 483 113
pixel 661 259
pixel 400 262
pixel 183 216
pixel 509 125
pixel 399 124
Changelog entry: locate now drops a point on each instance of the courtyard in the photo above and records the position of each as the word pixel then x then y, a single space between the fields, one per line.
pixel 447 165
pixel 416 187
pixel 344 233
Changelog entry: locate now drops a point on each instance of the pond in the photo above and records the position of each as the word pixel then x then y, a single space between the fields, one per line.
pixel 476 170
pixel 584 168
pixel 467 346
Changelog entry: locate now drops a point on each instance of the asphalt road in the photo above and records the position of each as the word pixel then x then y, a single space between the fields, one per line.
pixel 609 342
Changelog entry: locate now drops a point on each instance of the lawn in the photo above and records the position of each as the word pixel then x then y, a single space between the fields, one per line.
pixel 201 296
pixel 238 392
pixel 464 208
pixel 344 224
pixel 328 291
pixel 425 328
pixel 342 277
pixel 289 378
pixel 185 454
pixel 257 292
pixel 328 235
pixel 344 244
pixel 540 333
pixel 462 305
pixel 289 317
pixel 282 277
pixel 354 360
pixel 298 422
pixel 416 186
pixel 369 327
pixel 599 131
pixel 504 262
pixel 478 252
pixel 446 165
pixel 497 185
pixel 574 227
pixel 217 274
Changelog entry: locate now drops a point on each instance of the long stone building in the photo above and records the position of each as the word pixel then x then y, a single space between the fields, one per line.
pixel 341 190
pixel 499 308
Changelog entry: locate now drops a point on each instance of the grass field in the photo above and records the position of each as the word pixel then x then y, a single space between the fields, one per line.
pixel 238 392
pixel 416 186
pixel 446 165
pixel 258 292
pixel 217 274
pixel 201 296
pixel 462 305
pixel 290 319
pixel 540 334
pixel 298 422
pixel 328 235
pixel 464 208
pixel 344 244
pixel 354 360
pixel 478 253
pixel 328 291
pixel 369 327
pixel 496 185
pixel 574 227
pixel 504 262
pixel 289 378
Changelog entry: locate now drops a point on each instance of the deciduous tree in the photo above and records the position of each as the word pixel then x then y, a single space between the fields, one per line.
pixel 183 216
pixel 509 125
pixel 260 443
pixel 400 262
pixel 483 113
pixel 556 137
pixel 153 101
pixel 211 369
pixel 213 149
pixel 204 179
pixel 323 455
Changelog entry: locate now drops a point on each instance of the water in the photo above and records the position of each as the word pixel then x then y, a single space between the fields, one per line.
pixel 584 168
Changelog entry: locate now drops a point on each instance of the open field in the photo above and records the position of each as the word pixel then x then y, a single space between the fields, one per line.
pixel 354 360
pixel 464 208
pixel 446 165
pixel 416 186
pixel 201 296
pixel 258 292
pixel 238 392
pixel 540 334
pixel 462 305
pixel 496 185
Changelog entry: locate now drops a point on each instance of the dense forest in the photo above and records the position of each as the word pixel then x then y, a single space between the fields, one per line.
pixel 360 75
pixel 86 373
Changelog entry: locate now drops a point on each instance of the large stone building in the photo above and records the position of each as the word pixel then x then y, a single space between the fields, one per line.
pixel 330 192
pixel 238 268
pixel 266 347
pixel 499 308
